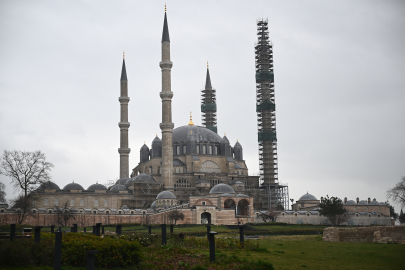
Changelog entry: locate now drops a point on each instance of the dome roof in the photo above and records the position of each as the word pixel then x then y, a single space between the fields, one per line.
pixel 226 195
pixel 156 140
pixel 122 181
pixel 237 145
pixel 73 186
pixel 362 202
pixel 382 203
pixel 153 205
pixel 165 195
pixel 140 178
pixel 195 133
pixel 124 206
pixel 97 187
pixel 374 202
pixel 118 187
pixel 308 197
pixel 222 188
pixel 144 147
pixel 224 140
pixel 48 185
pixel 351 202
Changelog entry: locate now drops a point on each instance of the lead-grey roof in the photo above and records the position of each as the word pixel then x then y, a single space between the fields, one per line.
pixel 153 205
pixel 122 181
pixel 374 202
pixel 224 140
pixel 140 178
pixel 73 186
pixel 48 185
pixel 165 34
pixel 156 141
pixel 237 166
pixel 308 197
pixel 208 80
pixel 118 188
pixel 165 195
pixel 351 202
pixel 242 195
pixel 363 202
pixel 195 157
pixel 123 72
pixel 195 133
pixel 97 187
pixel 178 162
pixel 237 145
pixel 222 188
pixel 144 147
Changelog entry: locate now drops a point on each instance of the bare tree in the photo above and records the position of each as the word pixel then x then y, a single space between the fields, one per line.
pixel 2 193
pixel 22 206
pixel 397 193
pixel 270 215
pixel 64 214
pixel 175 216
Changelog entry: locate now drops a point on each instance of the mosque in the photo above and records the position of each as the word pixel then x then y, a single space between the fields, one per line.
pixel 190 168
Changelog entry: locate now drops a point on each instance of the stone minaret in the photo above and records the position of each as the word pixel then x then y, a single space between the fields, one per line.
pixel 209 105
pixel 124 124
pixel 166 95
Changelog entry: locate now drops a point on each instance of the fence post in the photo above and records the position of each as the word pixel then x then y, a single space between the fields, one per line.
pixel 102 229
pixel 208 230
pixel 171 228
pixel 12 232
pixel 52 228
pixel 37 234
pixel 98 229
pixel 91 259
pixel 84 229
pixel 163 234
pixel 74 227
pixel 241 235
pixel 118 229
pixel 58 251
pixel 94 230
pixel 212 245
pixel 150 229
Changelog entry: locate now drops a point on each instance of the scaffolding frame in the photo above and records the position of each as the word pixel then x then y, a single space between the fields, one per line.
pixel 209 108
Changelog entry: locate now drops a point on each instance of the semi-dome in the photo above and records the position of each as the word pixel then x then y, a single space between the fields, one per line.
pixel 97 187
pixel 118 188
pixel 222 188
pixel 195 133
pixel 73 186
pixel 165 195
pixel 351 202
pixel 140 178
pixel 48 185
pixel 308 197
pixel 153 205
pixel 122 181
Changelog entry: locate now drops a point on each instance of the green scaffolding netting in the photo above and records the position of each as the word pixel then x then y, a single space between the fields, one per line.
pixel 264 76
pixel 208 107
pixel 267 135
pixel 266 105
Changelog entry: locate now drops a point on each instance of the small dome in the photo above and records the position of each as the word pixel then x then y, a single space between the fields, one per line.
pixel 237 145
pixel 308 197
pixel 153 205
pixel 144 147
pixel 165 195
pixel 73 186
pixel 238 182
pixel 374 202
pixel 363 202
pixel 48 185
pixel 382 203
pixel 222 188
pixel 140 178
pixel 97 187
pixel 119 187
pixel 122 181
pixel 156 141
pixel 124 206
pixel 351 202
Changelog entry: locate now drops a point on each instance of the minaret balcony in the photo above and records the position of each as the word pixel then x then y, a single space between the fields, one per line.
pixel 166 95
pixel 123 124
pixel 166 64
pixel 124 151
pixel 123 99
pixel 166 126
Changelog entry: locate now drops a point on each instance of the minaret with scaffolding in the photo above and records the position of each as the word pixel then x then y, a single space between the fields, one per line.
pixel 266 117
pixel 209 105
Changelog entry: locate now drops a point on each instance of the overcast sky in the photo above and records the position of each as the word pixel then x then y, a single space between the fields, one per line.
pixel 339 82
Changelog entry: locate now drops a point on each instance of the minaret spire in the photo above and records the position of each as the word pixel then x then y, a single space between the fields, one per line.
pixel 166 95
pixel 208 104
pixel 124 124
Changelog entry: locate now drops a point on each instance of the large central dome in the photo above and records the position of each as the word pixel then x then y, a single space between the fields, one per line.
pixel 195 133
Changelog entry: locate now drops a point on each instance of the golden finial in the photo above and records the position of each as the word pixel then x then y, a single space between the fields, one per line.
pixel 144 142
pixel 156 134
pixel 191 132
pixel 191 120
pixel 237 140
pixel 224 134
pixel 165 7
pixel 123 55
pixel 207 64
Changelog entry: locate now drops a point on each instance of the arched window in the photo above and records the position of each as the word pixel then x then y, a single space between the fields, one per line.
pixel 210 167
pixel 210 150
pixel 178 150
pixel 46 202
pixel 182 183
pixel 150 170
pixel 177 169
pixel 181 169
pixel 215 150
pixel 81 202
pixel 204 150
pixel 214 182
pixel 184 149
pixel 198 149
pixel 72 202
pixel 96 202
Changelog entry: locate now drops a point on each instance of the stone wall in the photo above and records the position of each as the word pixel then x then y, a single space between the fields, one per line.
pixel 394 234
